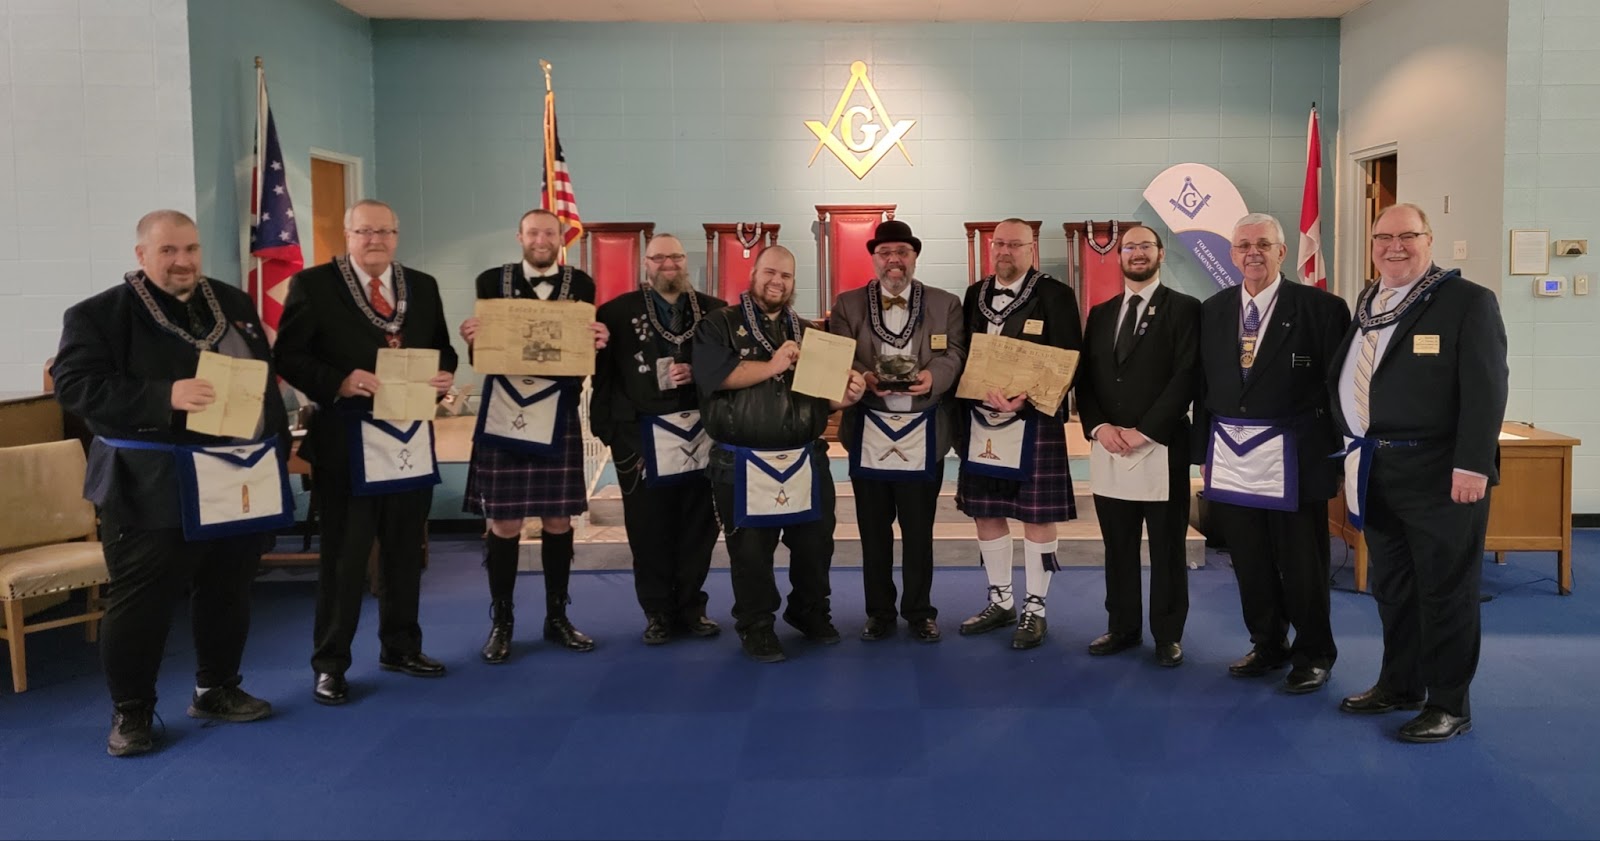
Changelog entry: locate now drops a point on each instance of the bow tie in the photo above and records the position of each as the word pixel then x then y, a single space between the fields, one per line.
pixel 896 301
pixel 999 293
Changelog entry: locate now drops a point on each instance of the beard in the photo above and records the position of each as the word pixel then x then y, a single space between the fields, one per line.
pixel 768 306
pixel 666 283
pixel 1143 274
pixel 1006 272
pixel 540 261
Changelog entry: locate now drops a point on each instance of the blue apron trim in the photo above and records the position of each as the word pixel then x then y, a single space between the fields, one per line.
pixel 933 467
pixel 189 486
pixel 648 425
pixel 1366 447
pixel 743 456
pixel 557 445
pixel 1024 469
pixel 1277 427
pixel 360 485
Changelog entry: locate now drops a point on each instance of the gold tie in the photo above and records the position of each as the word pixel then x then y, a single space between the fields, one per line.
pixel 896 301
pixel 1365 363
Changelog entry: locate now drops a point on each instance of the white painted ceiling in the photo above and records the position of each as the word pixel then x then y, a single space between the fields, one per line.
pixel 716 11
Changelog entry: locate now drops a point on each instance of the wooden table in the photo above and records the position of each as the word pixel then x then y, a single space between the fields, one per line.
pixel 1530 510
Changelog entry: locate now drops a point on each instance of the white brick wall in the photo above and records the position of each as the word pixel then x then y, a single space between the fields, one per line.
pixel 95 129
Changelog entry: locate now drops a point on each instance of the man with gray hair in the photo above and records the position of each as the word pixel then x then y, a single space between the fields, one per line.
pixel 1263 433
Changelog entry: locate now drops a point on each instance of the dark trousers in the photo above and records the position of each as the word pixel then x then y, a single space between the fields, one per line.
pixel 878 505
pixel 750 552
pixel 1280 559
pixel 151 569
pixel 1426 556
pixel 398 522
pixel 671 531
pixel 1122 527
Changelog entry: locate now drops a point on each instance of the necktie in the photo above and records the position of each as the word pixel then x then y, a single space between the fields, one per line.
pixel 896 301
pixel 1365 363
pixel 1247 342
pixel 380 304
pixel 1130 323
pixel 676 317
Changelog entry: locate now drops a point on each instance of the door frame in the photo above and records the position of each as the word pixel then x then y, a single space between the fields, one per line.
pixel 352 173
pixel 1352 256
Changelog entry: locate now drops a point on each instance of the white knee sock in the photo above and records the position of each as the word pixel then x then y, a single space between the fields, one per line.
pixel 996 556
pixel 1037 572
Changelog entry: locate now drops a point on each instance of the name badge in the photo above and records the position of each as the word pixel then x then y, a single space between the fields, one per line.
pixel 1297 360
pixel 938 341
pixel 1033 327
pixel 1425 345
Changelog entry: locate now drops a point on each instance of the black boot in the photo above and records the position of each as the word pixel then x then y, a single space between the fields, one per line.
pixel 131 728
pixel 555 553
pixel 558 629
pixel 498 647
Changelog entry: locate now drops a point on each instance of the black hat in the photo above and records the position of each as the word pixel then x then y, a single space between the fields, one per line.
pixel 893 230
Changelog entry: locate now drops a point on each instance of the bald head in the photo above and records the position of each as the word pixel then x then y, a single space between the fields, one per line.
pixel 168 251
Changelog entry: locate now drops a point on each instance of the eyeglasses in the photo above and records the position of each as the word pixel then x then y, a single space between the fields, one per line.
pixel 1405 239
pixel 371 233
pixel 901 252
pixel 1262 246
pixel 1009 245
pixel 1134 247
pixel 662 258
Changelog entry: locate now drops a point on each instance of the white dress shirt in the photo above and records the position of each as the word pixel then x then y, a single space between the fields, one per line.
pixel 1347 374
pixel 1014 288
pixel 386 280
pixel 542 289
pixel 894 320
pixel 1264 304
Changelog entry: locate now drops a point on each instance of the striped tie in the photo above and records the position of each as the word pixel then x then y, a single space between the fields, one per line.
pixel 1365 363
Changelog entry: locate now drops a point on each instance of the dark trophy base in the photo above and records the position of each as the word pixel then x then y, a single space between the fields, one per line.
pixel 895 385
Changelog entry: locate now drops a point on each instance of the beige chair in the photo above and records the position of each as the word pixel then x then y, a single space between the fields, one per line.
pixel 48 543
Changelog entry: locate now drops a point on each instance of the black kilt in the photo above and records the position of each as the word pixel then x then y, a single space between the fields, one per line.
pixel 507 485
pixel 1046 496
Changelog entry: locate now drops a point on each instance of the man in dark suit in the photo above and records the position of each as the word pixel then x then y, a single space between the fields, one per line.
pixel 1264 434
pixel 1017 302
pixel 1420 382
pixel 127 366
pixel 898 322
pixel 337 316
pixel 1140 355
pixel 646 409
pixel 515 473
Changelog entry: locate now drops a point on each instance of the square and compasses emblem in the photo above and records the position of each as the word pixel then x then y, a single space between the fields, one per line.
pixel 853 132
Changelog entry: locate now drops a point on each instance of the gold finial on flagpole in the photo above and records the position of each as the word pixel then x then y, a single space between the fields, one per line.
pixel 545 66
pixel 258 62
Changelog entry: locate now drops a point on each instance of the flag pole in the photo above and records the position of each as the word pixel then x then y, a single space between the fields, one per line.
pixel 550 149
pixel 259 291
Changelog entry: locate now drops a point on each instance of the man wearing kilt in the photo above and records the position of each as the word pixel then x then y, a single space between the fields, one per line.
pixel 646 409
pixel 516 472
pixel 769 468
pixel 1014 460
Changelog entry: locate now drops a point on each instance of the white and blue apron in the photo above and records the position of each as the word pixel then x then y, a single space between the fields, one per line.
pixel 895 446
pixel 1253 463
pixel 1357 456
pixel 229 489
pixel 675 447
pixel 390 457
pixel 524 414
pixel 1000 444
pixel 775 487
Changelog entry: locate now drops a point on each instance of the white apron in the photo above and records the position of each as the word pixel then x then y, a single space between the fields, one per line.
pixel 895 446
pixel 1000 444
pixel 676 447
pixel 227 490
pixel 523 414
pixel 388 458
pixel 776 487
pixel 1253 463
pixel 1140 476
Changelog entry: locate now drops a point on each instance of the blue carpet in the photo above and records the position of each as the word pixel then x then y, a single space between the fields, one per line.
pixel 965 739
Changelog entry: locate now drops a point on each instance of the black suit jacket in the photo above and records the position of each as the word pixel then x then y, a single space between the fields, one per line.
pixel 115 370
pixel 1288 380
pixel 323 336
pixel 1153 389
pixel 1053 302
pixel 625 371
pixel 1456 397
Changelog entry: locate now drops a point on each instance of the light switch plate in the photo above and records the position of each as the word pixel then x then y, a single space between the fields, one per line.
pixel 1460 252
pixel 1580 285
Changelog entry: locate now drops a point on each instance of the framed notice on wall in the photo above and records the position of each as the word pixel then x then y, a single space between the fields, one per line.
pixel 1530 252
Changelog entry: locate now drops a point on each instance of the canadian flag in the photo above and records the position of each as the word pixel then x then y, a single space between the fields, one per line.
pixel 1313 269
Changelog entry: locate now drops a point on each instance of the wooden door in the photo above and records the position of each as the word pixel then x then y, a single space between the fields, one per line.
pixel 1381 186
pixel 328 203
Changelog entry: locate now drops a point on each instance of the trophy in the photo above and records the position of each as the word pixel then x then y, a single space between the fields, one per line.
pixel 897 372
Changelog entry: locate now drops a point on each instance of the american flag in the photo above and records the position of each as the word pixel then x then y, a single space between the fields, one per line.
pixel 1313 269
pixel 274 239
pixel 556 195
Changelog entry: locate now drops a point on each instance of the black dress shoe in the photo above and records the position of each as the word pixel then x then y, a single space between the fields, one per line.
pixel 1303 679
pixel 558 629
pixel 815 628
pixel 700 625
pixel 1030 632
pixel 416 665
pixel 926 630
pixel 878 628
pixel 1258 662
pixel 331 689
pixel 1169 654
pixel 993 616
pixel 656 631
pixel 1378 700
pixel 1434 725
pixel 1112 643
pixel 762 645
pixel 497 648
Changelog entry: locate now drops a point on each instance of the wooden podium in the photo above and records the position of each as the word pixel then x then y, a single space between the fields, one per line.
pixel 1530 510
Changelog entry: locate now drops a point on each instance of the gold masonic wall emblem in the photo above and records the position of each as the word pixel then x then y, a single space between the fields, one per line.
pixel 862 154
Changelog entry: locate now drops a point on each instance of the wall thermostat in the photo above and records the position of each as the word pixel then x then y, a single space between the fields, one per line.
pixel 1550 287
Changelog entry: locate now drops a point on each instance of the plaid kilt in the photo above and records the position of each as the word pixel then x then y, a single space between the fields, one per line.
pixel 507 485
pixel 1046 497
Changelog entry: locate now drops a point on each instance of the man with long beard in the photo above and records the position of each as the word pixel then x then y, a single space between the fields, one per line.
pixel 532 469
pixel 769 469
pixel 646 409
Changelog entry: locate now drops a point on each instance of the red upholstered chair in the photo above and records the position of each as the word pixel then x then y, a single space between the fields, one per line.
pixel 978 236
pixel 613 254
pixel 842 259
pixel 731 251
pixel 1094 264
